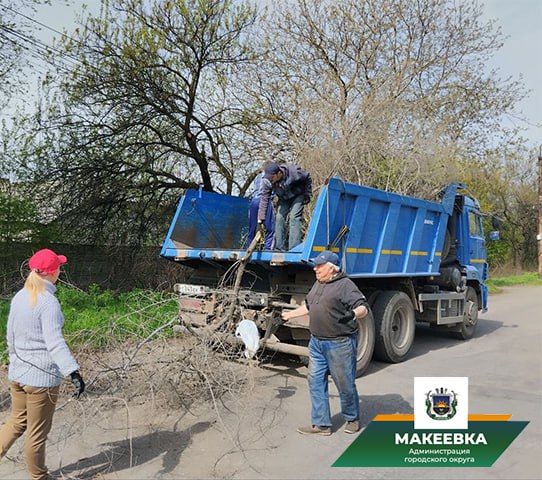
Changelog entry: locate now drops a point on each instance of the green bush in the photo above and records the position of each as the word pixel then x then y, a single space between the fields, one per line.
pixel 497 253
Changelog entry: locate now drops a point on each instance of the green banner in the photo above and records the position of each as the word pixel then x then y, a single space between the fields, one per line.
pixel 398 444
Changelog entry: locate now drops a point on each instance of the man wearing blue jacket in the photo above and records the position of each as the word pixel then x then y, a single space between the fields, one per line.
pixel 293 187
pixel 269 221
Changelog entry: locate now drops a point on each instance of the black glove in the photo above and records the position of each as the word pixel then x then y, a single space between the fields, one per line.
pixel 78 383
pixel 306 199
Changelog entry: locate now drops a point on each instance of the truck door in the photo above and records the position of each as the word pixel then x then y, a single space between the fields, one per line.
pixel 477 244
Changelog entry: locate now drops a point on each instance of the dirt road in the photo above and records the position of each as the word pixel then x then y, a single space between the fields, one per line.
pixel 255 437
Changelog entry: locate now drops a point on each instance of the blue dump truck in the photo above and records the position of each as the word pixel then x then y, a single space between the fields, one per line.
pixel 415 261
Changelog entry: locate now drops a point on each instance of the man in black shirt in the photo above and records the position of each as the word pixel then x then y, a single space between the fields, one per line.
pixel 334 305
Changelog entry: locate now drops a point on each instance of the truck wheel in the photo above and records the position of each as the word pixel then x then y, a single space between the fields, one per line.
pixel 366 343
pixel 447 245
pixel 372 297
pixel 395 326
pixel 467 328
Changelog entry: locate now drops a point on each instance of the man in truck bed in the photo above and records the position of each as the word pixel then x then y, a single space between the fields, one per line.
pixel 293 187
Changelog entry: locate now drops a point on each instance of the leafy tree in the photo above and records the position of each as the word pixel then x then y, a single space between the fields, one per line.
pixel 175 94
pixel 15 211
pixel 20 216
pixel 505 183
pixel 19 220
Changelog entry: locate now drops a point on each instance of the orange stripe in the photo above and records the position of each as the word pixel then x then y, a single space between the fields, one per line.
pixel 401 417
pixel 480 417
pixel 321 249
pixel 397 417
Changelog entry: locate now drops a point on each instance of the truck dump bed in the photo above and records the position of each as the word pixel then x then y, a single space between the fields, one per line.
pixel 377 233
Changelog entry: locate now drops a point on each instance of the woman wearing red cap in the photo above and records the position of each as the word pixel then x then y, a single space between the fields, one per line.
pixel 38 361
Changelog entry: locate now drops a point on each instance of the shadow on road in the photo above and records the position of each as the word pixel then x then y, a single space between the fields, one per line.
pixel 128 453
pixel 282 363
pixel 429 339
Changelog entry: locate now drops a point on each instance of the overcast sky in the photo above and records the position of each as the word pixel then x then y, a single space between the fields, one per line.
pixel 520 21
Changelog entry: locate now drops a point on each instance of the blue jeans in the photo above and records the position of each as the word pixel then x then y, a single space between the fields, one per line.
pixel 294 207
pixel 269 223
pixel 338 357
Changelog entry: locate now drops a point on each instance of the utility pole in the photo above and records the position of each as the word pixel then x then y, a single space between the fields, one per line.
pixel 539 236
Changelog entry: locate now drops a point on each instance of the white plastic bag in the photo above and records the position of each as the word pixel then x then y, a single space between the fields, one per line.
pixel 248 331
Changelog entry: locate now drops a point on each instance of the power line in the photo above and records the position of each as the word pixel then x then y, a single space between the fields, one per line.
pixel 33 55
pixel 41 24
pixel 48 48
pixel 37 42
pixel 40 49
pixel 40 56
pixel 82 44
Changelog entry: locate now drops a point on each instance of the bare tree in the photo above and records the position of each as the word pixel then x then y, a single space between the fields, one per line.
pixel 383 92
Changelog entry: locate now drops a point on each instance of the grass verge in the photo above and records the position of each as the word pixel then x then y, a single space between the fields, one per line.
pixel 527 278
pixel 101 318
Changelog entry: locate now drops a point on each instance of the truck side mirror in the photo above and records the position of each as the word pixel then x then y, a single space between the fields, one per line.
pixel 495 222
pixel 495 235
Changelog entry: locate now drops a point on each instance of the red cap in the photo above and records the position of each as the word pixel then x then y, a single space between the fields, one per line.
pixel 46 262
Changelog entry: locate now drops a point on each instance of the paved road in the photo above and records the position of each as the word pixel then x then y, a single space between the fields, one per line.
pixel 504 365
pixel 256 437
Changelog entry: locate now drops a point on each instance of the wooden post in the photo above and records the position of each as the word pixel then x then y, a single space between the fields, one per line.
pixel 539 236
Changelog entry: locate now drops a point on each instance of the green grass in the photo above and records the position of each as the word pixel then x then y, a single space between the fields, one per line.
pixel 528 278
pixel 101 318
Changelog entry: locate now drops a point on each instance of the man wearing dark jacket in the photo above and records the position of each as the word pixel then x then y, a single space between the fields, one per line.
pixel 334 305
pixel 293 187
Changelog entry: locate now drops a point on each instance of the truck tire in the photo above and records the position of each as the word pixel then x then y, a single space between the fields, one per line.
pixel 447 245
pixel 371 299
pixel 366 343
pixel 395 325
pixel 466 329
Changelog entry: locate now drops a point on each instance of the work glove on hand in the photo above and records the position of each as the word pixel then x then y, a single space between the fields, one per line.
pixel 78 383
pixel 261 229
